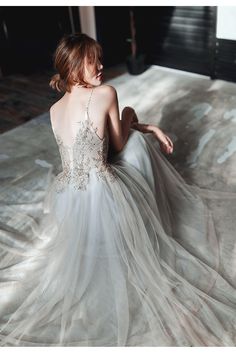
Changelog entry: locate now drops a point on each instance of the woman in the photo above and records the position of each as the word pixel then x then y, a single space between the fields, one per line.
pixel 126 253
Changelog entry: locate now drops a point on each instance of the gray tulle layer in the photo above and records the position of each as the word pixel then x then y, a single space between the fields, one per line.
pixel 140 261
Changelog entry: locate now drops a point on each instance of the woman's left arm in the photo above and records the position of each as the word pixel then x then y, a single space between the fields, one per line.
pixel 165 142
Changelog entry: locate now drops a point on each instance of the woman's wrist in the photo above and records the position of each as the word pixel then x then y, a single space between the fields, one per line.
pixel 144 128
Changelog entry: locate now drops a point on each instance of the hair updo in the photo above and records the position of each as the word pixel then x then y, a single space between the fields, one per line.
pixel 69 59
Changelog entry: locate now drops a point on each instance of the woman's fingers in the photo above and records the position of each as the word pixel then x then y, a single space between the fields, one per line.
pixel 135 118
pixel 167 145
pixel 169 142
pixel 134 125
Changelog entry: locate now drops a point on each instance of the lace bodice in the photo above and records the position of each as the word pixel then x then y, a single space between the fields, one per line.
pixel 87 152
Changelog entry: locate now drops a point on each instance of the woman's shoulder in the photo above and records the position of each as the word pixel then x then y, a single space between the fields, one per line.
pixel 54 106
pixel 108 93
pixel 107 89
pixel 54 111
pixel 104 91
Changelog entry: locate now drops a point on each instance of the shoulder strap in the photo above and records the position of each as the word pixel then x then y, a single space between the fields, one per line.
pixel 89 101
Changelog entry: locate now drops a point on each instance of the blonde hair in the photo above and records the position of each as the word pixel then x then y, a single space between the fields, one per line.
pixel 69 60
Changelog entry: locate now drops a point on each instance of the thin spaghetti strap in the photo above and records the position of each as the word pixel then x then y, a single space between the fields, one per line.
pixel 95 129
pixel 86 111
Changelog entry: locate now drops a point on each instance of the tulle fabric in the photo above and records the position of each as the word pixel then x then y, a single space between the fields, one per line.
pixel 135 262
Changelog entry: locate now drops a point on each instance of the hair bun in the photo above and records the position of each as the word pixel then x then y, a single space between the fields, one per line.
pixel 56 82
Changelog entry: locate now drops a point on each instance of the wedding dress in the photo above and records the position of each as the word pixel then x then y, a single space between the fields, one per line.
pixel 126 253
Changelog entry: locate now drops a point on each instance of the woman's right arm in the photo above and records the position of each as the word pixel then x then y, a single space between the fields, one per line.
pixel 118 128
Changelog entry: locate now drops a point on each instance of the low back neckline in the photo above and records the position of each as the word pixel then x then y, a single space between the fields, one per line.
pixel 90 126
pixel 87 117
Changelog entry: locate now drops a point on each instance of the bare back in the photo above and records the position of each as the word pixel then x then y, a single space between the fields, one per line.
pixel 71 108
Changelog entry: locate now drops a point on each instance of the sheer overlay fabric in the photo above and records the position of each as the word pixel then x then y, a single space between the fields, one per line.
pixel 126 253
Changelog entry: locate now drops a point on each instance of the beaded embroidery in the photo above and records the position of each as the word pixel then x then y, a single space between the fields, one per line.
pixel 87 152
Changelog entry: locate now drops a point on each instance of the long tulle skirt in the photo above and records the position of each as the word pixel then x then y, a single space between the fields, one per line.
pixel 140 261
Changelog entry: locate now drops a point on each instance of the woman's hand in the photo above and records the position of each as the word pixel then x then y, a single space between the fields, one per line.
pixel 165 142
pixel 134 120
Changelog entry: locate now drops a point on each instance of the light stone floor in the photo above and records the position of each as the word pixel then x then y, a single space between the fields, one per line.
pixel 198 113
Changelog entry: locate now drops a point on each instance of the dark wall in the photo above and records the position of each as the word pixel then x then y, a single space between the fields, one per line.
pixel 30 36
pixel 33 32
pixel 181 37
pixel 225 60
pixel 113 29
